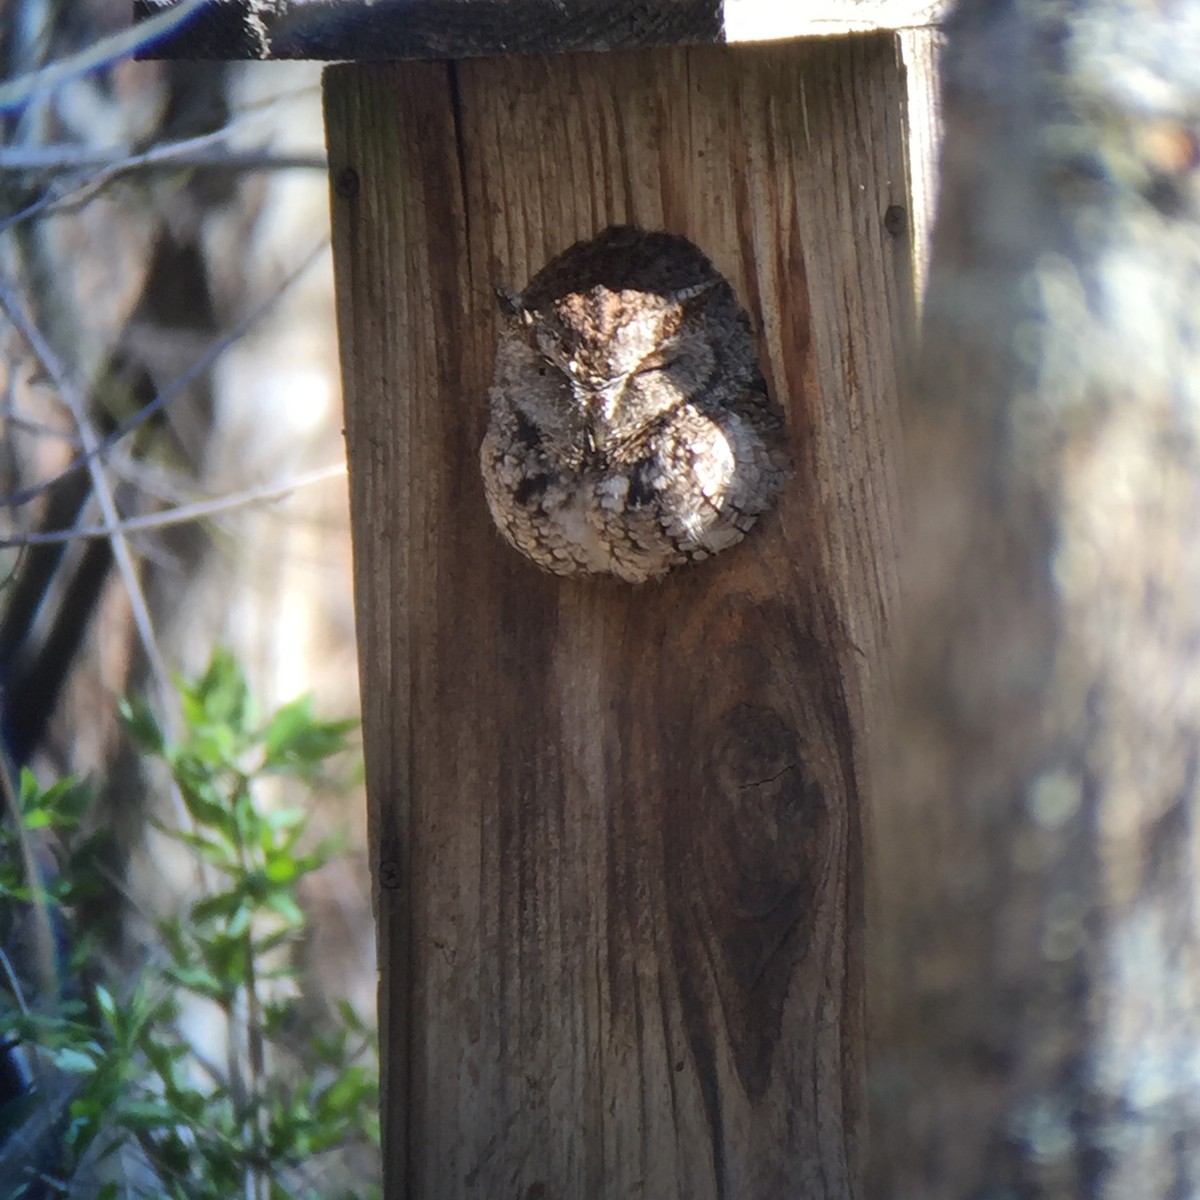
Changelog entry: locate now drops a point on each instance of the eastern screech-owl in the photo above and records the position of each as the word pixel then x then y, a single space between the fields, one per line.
pixel 630 429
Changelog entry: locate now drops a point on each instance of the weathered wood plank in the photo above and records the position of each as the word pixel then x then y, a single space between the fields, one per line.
pixel 377 30
pixel 620 829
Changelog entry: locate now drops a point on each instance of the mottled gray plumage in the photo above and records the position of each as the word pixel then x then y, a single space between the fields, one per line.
pixel 630 429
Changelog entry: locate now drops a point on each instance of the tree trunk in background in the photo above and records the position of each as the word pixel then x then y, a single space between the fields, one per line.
pixel 1034 954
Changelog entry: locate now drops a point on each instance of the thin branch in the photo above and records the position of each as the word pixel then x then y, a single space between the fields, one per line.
pixel 202 364
pixel 245 114
pixel 71 190
pixel 12 307
pixel 117 159
pixel 14 984
pixel 29 425
pixel 107 50
pixel 114 160
pixel 57 193
pixel 180 513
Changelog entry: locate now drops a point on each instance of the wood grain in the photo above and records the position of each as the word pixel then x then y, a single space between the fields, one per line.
pixel 620 830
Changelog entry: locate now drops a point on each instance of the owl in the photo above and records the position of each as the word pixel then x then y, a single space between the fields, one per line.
pixel 630 429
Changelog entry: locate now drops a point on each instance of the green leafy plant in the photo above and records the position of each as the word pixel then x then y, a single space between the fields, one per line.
pixel 115 1057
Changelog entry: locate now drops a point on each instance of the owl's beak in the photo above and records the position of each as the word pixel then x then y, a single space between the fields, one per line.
pixel 601 414
pixel 600 408
pixel 595 431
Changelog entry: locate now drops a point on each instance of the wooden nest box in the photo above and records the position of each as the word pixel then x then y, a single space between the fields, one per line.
pixel 618 831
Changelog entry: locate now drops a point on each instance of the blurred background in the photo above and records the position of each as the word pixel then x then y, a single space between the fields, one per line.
pixel 167 325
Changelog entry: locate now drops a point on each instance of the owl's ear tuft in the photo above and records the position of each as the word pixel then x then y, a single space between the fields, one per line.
pixel 698 291
pixel 511 305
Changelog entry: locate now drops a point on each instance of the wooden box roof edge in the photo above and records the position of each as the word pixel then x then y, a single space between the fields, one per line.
pixel 373 30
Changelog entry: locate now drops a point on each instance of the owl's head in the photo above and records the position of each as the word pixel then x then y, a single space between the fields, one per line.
pixel 602 365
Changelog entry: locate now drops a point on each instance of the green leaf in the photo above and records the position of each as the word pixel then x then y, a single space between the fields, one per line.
pixel 226 959
pixel 72 1060
pixel 286 726
pixel 194 978
pixel 143 727
pixel 355 1086
pixel 220 904
pixel 161 1055
pixel 214 850
pixel 130 1061
pixel 239 924
pixel 297 742
pixel 59 806
pixel 30 791
pixel 282 869
pixel 284 904
pixel 148 1114
pixel 350 1018
pixel 106 1004
pixel 266 942
pixel 220 697
pixel 284 818
pixel 203 799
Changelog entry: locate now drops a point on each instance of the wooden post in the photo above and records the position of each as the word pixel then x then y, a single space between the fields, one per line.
pixel 620 830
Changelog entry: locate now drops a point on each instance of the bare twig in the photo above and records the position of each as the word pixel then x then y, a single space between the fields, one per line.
pixel 29 425
pixel 81 186
pixel 107 50
pixel 12 307
pixel 202 364
pixel 181 513
pixel 14 984
pixel 28 160
pixel 114 160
